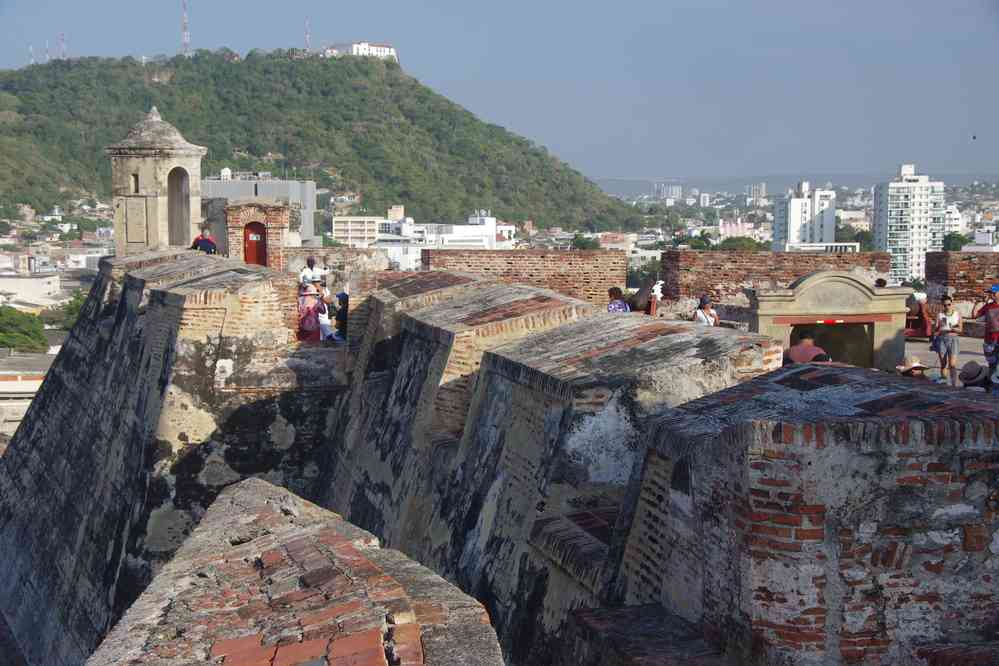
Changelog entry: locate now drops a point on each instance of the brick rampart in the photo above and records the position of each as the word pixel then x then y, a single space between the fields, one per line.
pixel 336 259
pixel 586 275
pixel 691 273
pixel 965 275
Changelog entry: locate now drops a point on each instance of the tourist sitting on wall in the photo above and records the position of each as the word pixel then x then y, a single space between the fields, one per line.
pixel 705 314
pixel 913 368
pixel 805 351
pixel 616 301
pixel 309 308
pixel 343 303
pixel 975 376
pixel 947 331
pixel 990 313
pixel 205 234
pixel 310 273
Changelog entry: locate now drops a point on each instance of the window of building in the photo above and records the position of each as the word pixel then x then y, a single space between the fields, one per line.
pixel 135 183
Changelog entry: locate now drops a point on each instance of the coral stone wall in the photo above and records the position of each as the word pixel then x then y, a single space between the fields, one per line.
pixel 586 275
pixel 690 273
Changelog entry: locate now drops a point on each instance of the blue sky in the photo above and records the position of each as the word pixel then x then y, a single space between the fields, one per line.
pixel 634 88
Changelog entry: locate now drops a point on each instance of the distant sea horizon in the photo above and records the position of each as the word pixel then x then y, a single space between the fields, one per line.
pixel 634 187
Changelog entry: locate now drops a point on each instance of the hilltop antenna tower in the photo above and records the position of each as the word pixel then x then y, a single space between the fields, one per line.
pixel 308 36
pixel 46 50
pixel 31 51
pixel 185 32
pixel 62 45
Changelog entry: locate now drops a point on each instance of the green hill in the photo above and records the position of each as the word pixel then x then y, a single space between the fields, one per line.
pixel 349 123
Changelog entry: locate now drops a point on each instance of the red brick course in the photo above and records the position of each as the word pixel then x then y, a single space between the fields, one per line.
pixel 968 274
pixel 691 273
pixel 586 275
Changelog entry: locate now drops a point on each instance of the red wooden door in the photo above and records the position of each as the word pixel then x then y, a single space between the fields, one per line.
pixel 255 244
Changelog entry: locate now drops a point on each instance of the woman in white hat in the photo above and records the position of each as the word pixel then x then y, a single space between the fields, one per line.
pixel 912 367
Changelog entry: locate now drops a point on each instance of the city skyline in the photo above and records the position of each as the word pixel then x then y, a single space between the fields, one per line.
pixel 707 90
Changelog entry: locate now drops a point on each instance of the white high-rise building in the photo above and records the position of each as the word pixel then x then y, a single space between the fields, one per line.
pixel 953 220
pixel 705 200
pixel 804 216
pixel 909 221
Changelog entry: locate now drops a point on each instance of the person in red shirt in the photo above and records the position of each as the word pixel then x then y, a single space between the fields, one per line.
pixel 989 311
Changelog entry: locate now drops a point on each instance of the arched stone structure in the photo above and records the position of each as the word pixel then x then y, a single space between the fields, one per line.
pixel 156 183
pixel 840 307
pixel 269 221
pixel 179 207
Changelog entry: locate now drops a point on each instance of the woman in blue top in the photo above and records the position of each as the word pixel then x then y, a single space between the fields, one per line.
pixel 617 302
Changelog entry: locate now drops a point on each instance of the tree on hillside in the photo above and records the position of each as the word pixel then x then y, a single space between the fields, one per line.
pixel 583 243
pixel 21 331
pixel 953 242
pixel 355 124
pixel 741 243
pixel 847 234
pixel 65 315
pixel 637 277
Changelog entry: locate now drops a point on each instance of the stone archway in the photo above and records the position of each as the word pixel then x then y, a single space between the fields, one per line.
pixel 179 207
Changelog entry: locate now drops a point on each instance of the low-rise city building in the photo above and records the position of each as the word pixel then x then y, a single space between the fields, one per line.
pixel 804 215
pixel 362 49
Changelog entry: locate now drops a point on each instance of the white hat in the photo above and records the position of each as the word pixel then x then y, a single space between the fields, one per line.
pixel 910 363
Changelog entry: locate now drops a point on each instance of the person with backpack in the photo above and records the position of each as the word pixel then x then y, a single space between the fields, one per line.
pixel 310 307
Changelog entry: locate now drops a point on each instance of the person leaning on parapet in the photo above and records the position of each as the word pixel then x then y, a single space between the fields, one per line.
pixel 705 314
pixel 947 330
pixel 989 311
pixel 310 273
pixel 805 351
pixel 617 302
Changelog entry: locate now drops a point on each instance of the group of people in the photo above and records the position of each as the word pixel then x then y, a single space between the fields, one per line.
pixel 945 341
pixel 315 306
pixel 704 314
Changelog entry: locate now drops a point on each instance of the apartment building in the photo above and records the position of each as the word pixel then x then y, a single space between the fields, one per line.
pixel 909 221
pixel 804 216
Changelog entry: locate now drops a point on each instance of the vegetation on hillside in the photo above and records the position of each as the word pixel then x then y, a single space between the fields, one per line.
pixel 21 331
pixel 351 123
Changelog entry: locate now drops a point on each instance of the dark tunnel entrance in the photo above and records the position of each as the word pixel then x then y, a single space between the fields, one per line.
pixel 845 343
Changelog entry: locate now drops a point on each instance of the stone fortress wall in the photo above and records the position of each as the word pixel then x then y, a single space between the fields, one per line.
pixel 963 275
pixel 586 274
pixel 611 488
pixel 688 274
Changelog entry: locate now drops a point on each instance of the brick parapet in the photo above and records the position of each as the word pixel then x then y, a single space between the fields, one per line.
pixel 688 274
pixel 583 274
pixel 963 275
pixel 270 578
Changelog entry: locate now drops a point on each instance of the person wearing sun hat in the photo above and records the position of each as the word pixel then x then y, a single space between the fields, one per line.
pixel 975 376
pixel 912 367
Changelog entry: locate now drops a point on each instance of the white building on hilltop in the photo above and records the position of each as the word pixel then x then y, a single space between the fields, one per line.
pixel 953 220
pixel 804 216
pixel 362 49
pixel 909 219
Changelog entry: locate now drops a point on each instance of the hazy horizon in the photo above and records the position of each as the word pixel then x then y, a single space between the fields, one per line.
pixel 707 89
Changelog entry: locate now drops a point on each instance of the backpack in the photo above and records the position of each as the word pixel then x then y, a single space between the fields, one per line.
pixel 310 320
